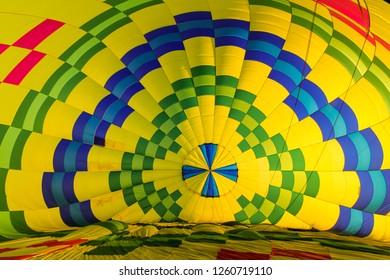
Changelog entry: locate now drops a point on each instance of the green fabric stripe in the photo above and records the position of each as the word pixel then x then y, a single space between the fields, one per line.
pixel 19 222
pixel 99 20
pixel 86 56
pixel 288 180
pixel 70 85
pixel 3 196
pixel 114 181
pixel 276 214
pixel 312 183
pixel 10 136
pixel 297 159
pixel 296 203
pixel 273 194
pixel 112 28
pixel 83 41
pixel 20 115
pixel 41 115
pixel 16 157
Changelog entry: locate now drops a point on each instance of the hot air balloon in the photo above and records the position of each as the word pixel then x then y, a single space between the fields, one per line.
pixel 157 111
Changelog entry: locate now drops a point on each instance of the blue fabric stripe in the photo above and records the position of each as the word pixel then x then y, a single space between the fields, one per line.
pixel 347 114
pixel 112 111
pixel 191 171
pixel 316 93
pixel 79 127
pixel 47 190
pixel 101 132
pixel 366 191
pixel 193 16
pixel 266 37
pixel 122 115
pixel 59 155
pixel 299 64
pixel 116 78
pixel 56 188
pixel 363 151
pixel 339 125
pixel 136 52
pixel 90 130
pixel 197 32
pixel 68 187
pixel 384 209
pixel 350 153
pixel 104 104
pixel 376 150
pixel 343 219
pixel 146 68
pixel 230 172
pixel 230 41
pixel 355 223
pixel 168 47
pixel 297 106
pixel 86 211
pixel 324 124
pixel 260 57
pixel 379 191
pixel 283 79
pixel 70 156
pixel 306 99
pixel 150 36
pixel 367 225
pixel 210 187
pixel 130 91
pixel 221 23
pixel 123 84
pixel 82 158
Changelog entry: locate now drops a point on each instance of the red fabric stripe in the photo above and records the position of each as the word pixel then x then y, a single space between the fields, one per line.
pixel 53 243
pixel 21 70
pixel 350 10
pixel 354 26
pixel 382 42
pixel 301 255
pixel 225 254
pixel 39 33
pixel 3 48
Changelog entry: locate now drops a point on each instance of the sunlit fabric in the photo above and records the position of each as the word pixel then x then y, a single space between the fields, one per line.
pixel 200 111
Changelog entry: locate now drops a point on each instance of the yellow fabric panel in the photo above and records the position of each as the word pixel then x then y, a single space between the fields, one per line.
pixel 301 134
pixel 290 221
pixel 24 190
pixel 119 139
pixel 160 13
pixel 86 95
pixel 175 65
pixel 157 84
pixel 138 101
pixel 271 95
pixel 230 137
pixel 254 181
pixel 229 61
pixel 305 44
pixel 88 185
pixel 60 120
pixel 234 9
pixel 103 159
pixel 102 66
pixel 271 20
pixel 339 75
pixel 138 125
pixel 108 205
pixel 342 188
pixel 62 11
pixel 180 7
pixel 61 40
pixel 38 76
pixel 9 59
pixel 382 131
pixel 282 118
pixel 285 161
pixel 119 40
pixel 324 156
pixel 14 32
pixel 284 199
pixel 45 220
pixel 381 229
pixel 38 152
pixel 160 164
pixel 253 71
pixel 200 51
pixel 131 214
pixel 11 98
pixel 190 138
pixel 318 214
pixel 206 103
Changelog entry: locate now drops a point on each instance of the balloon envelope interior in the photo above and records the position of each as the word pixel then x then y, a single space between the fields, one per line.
pixel 256 112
